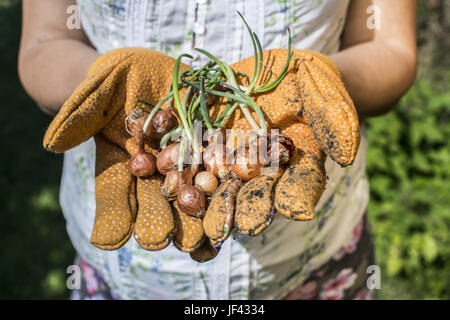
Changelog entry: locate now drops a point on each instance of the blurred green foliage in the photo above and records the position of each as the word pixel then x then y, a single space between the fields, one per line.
pixel 408 164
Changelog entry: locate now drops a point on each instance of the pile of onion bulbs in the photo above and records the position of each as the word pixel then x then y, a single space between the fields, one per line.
pixel 193 168
pixel 191 186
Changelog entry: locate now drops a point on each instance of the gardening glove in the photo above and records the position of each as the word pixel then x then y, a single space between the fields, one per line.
pixel 98 107
pixel 189 235
pixel 205 252
pixel 312 107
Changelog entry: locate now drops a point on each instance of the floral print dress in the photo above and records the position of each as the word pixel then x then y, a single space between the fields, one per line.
pixel 288 254
pixel 343 277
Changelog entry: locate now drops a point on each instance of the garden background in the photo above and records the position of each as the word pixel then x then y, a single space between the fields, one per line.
pixel 408 165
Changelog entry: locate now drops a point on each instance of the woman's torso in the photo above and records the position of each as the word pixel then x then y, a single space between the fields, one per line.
pixel 271 264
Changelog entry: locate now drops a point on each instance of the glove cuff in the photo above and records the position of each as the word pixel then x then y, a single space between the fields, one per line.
pixel 325 60
pixel 104 61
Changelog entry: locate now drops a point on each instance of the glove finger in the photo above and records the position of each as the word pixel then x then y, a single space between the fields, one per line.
pixel 254 204
pixel 88 110
pixel 155 223
pixel 311 91
pixel 189 234
pixel 218 219
pixel 300 187
pixel 303 138
pixel 328 110
pixel 115 197
pixel 205 252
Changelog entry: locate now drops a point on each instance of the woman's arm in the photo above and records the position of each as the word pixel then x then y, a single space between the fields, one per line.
pixel 53 59
pixel 378 65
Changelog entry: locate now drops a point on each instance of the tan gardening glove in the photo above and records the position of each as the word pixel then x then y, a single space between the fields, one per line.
pixel 313 108
pixel 98 107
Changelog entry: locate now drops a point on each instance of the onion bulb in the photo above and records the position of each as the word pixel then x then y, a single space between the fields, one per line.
pixel 163 121
pixel 142 164
pixel 191 201
pixel 215 160
pixel 244 169
pixel 248 163
pixel 168 158
pixel 284 152
pixel 287 142
pixel 247 166
pixel 280 156
pixel 174 181
pixel 207 182
pixel 134 122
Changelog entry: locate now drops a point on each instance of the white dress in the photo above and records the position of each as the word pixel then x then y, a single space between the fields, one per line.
pixel 264 267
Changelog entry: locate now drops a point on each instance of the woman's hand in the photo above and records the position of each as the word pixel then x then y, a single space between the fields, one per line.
pixel 99 107
pixel 53 59
pixel 378 65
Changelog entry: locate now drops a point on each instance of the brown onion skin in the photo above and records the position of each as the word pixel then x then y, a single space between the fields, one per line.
pixel 244 170
pixel 215 160
pixel 286 149
pixel 163 121
pixel 212 99
pixel 286 142
pixel 135 122
pixel 168 158
pixel 191 201
pixel 174 181
pixel 244 167
pixel 142 164
pixel 281 157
